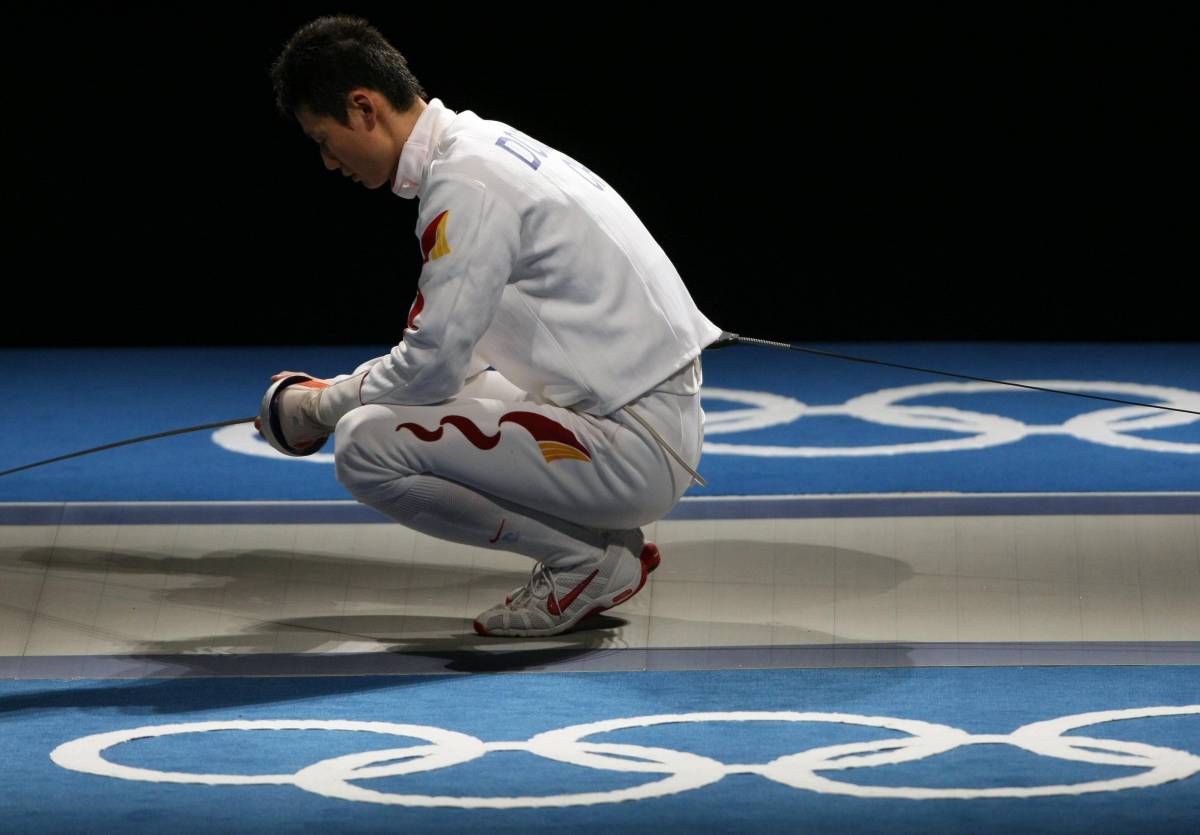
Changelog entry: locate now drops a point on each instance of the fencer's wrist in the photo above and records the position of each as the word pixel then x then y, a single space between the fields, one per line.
pixel 310 407
pixel 337 400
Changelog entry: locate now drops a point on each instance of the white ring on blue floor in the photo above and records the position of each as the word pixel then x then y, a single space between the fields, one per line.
pixel 86 754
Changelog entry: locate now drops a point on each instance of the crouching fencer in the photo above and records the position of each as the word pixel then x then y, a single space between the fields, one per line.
pixel 544 397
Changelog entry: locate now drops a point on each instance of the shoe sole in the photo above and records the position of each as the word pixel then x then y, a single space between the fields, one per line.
pixel 650 558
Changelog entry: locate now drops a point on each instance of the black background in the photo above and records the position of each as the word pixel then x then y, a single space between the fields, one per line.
pixel 959 171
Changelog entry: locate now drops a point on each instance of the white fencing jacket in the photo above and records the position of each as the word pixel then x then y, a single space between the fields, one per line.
pixel 533 265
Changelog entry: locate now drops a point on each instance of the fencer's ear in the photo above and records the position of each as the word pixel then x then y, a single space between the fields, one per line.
pixel 361 101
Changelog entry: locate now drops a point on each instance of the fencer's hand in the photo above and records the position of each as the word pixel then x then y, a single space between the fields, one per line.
pixel 283 374
pixel 297 405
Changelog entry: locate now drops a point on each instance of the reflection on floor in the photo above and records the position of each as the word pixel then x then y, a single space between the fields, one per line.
pixel 878 589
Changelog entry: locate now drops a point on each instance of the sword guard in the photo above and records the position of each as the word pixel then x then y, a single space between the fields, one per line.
pixel 270 426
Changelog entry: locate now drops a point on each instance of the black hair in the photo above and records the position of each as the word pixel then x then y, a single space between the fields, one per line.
pixel 326 59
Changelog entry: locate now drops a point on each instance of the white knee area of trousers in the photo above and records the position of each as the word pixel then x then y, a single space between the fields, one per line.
pixel 361 465
pixel 405 499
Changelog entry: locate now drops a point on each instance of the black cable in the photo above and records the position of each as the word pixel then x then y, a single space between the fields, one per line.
pixel 132 441
pixel 728 339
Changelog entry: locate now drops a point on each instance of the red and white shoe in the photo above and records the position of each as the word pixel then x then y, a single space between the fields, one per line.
pixel 555 600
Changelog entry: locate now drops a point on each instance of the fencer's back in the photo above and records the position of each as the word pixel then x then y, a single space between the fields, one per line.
pixel 594 313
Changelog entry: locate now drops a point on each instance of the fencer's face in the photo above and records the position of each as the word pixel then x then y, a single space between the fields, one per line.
pixel 363 151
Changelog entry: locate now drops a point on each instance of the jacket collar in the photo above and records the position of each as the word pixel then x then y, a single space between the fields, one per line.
pixel 418 148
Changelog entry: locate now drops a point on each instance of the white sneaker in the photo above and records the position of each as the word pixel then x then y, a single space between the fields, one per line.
pixel 554 600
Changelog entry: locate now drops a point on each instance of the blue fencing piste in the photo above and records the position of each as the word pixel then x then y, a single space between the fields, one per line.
pixel 925 750
pixel 778 422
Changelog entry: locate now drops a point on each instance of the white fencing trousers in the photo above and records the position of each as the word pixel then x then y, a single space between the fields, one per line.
pixel 496 467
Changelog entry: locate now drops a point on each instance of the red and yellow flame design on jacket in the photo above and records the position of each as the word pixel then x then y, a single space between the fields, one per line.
pixel 554 440
pixel 415 311
pixel 433 240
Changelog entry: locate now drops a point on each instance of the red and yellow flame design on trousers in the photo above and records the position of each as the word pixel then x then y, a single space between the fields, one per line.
pixel 554 440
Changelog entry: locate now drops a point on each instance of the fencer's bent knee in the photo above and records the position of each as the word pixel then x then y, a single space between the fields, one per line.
pixel 361 461
pixel 347 455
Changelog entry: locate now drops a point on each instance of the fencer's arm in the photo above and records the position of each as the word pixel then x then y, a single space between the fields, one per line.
pixel 476 367
pixel 470 239
pixel 364 367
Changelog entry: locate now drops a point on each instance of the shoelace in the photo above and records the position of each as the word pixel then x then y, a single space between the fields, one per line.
pixel 540 577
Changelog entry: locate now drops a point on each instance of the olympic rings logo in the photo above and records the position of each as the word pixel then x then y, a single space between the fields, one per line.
pixel 683 771
pixel 1109 427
